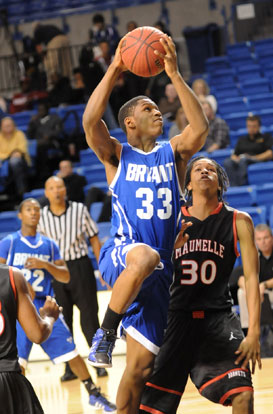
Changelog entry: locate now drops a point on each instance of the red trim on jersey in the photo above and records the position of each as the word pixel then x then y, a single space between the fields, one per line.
pixel 198 315
pixel 11 278
pixel 220 377
pixel 149 384
pixel 234 391
pixel 149 409
pixel 235 234
pixel 217 210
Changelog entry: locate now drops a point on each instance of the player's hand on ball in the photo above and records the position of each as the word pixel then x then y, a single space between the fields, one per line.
pixel 50 308
pixel 118 62
pixel 170 58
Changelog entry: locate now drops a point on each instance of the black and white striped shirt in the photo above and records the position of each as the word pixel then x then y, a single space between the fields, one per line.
pixel 69 230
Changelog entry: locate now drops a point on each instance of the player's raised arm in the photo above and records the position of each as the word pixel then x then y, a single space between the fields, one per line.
pixel 250 346
pixel 37 328
pixel 194 135
pixel 97 134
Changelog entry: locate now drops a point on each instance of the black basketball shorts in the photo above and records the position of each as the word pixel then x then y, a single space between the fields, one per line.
pixel 201 345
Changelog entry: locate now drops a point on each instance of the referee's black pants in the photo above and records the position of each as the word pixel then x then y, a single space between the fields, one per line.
pixel 82 292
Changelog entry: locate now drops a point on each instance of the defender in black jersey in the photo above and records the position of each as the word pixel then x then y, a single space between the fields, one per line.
pixel 16 393
pixel 204 339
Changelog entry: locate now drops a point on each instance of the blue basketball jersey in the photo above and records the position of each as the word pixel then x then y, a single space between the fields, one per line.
pixel 16 248
pixel 146 197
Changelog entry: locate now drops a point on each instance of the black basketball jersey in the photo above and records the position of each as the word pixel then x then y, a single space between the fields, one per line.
pixel 203 265
pixel 8 316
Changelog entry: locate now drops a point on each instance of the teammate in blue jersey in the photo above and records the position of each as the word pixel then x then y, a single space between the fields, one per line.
pixel 146 180
pixel 39 259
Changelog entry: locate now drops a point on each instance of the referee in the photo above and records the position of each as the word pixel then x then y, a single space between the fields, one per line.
pixel 69 224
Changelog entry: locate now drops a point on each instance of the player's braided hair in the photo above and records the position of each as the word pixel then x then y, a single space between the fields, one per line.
pixel 221 174
pixel 127 109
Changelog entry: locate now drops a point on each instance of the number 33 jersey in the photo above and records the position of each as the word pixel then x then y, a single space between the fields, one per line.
pixel 204 264
pixel 146 196
pixel 16 249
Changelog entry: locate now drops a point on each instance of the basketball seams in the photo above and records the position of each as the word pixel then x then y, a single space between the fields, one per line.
pixel 140 59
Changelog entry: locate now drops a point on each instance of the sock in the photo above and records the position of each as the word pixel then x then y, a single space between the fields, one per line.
pixel 90 386
pixel 111 320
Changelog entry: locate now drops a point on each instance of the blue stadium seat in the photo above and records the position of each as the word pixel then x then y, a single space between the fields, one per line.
pixel 100 184
pixel 260 173
pixel 265 195
pixel 245 72
pixel 255 86
pixel 94 173
pixel 236 120
pixel 36 193
pixel 95 210
pixel 229 90
pixel 241 196
pixel 260 101
pixel 217 62
pixel 235 135
pixel 9 221
pixel 239 49
pixel 221 76
pixel 266 116
pixel 220 155
pixel 32 147
pixel 258 214
pixel 119 134
pixel 228 105
pixel 271 218
pixel 88 157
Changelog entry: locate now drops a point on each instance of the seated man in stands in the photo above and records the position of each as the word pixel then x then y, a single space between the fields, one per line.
pixel 169 103
pixel 264 243
pixel 47 129
pixel 218 136
pixel 251 148
pixel 14 150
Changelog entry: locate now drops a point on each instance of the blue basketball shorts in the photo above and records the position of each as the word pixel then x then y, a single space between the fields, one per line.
pixel 146 318
pixel 60 346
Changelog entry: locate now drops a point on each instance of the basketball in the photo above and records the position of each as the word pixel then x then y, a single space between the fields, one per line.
pixel 137 51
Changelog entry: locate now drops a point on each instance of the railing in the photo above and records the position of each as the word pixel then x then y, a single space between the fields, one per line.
pixel 13 69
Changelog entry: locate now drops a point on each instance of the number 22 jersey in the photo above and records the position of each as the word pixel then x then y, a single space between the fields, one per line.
pixel 204 264
pixel 16 248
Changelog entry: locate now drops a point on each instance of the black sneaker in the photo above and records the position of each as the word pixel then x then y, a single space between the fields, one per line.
pixel 102 347
pixel 101 372
pixel 68 374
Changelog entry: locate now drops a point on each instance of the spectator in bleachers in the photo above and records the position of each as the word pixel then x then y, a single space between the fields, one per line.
pixel 57 48
pixel 25 100
pixel 254 147
pixel 178 124
pixel 218 135
pixel 47 129
pixel 131 25
pixel 264 243
pixel 160 25
pixel 201 89
pixel 61 93
pixel 104 32
pixel 169 103
pixel 14 150
pixel 74 182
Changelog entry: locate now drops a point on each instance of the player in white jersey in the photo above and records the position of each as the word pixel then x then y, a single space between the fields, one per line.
pixel 146 181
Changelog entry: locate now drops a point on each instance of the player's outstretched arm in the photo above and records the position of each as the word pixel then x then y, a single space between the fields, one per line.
pixel 37 328
pixel 194 136
pixel 249 349
pixel 58 269
pixel 96 132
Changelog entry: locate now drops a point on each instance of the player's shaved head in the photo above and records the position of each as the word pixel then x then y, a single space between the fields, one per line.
pixel 53 179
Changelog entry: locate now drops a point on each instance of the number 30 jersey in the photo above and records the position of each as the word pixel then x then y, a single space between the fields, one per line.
pixel 146 196
pixel 204 264
pixel 16 249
